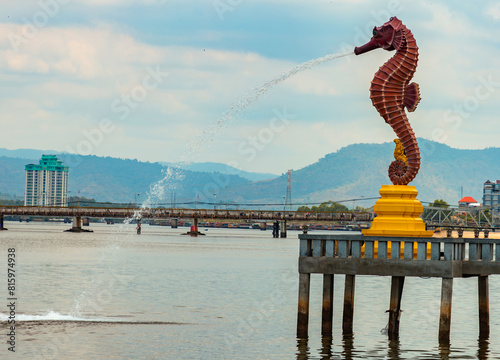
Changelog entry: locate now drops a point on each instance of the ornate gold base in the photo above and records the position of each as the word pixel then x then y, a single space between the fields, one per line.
pixel 398 212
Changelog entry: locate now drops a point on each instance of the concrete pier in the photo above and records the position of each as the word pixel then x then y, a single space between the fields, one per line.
pixel 398 257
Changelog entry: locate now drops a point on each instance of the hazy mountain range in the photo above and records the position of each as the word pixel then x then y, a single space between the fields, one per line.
pixel 354 172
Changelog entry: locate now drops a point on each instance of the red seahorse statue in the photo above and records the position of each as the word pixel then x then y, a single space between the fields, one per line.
pixel 391 91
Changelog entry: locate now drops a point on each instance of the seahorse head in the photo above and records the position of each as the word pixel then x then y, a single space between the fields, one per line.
pixel 388 36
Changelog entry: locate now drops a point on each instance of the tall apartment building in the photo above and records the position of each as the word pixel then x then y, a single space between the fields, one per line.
pixel 491 196
pixel 46 183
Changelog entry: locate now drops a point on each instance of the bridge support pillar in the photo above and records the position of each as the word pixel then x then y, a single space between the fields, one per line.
pixel 194 229
pixel 1 222
pixel 77 225
pixel 283 228
pixel 484 307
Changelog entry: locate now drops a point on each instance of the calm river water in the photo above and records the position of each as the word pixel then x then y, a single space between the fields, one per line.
pixel 231 294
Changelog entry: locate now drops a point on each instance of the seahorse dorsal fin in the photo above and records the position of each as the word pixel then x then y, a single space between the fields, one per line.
pixel 412 96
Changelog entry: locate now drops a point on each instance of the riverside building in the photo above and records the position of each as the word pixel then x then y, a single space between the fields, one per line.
pixel 491 195
pixel 491 199
pixel 46 183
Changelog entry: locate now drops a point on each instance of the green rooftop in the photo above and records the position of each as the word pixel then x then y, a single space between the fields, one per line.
pixel 49 163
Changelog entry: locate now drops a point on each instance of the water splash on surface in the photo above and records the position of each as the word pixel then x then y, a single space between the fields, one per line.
pixel 50 316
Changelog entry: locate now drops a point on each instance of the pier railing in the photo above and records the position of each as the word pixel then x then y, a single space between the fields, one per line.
pixel 393 256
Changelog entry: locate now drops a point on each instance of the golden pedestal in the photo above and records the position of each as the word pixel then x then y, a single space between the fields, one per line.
pixel 398 212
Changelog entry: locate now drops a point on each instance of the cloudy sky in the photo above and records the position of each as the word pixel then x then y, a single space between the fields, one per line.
pixel 153 79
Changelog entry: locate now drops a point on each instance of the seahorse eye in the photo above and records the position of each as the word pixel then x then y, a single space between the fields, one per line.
pixel 375 32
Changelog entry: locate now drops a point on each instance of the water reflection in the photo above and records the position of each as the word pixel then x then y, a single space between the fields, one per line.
pixel 444 350
pixel 303 349
pixel 347 345
pixel 483 349
pixel 326 352
pixel 394 350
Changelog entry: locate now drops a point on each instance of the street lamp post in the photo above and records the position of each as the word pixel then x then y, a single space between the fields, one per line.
pixel 215 204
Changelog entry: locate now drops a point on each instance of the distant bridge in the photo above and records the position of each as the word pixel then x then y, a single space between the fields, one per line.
pixel 168 213
pixel 474 217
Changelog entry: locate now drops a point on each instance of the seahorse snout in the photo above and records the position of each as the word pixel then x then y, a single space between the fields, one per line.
pixel 371 45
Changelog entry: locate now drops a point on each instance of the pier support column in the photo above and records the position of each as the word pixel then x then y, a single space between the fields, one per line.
pixel 1 222
pixel 445 315
pixel 484 307
pixel 283 229
pixel 327 313
pixel 348 304
pixel 303 308
pixel 397 283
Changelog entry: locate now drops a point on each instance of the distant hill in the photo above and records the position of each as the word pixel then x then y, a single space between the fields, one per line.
pixel 353 172
pixel 226 169
pixel 121 180
pixel 26 153
pixel 359 170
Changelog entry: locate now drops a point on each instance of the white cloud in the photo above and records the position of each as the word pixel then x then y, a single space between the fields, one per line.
pixel 67 77
pixel 494 11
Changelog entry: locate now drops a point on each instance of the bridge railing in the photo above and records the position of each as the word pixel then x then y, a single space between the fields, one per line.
pixel 183 213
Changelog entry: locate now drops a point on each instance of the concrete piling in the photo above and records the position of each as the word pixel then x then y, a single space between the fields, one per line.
pixel 397 283
pixel 327 309
pixel 347 319
pixel 445 313
pixel 484 307
pixel 303 307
